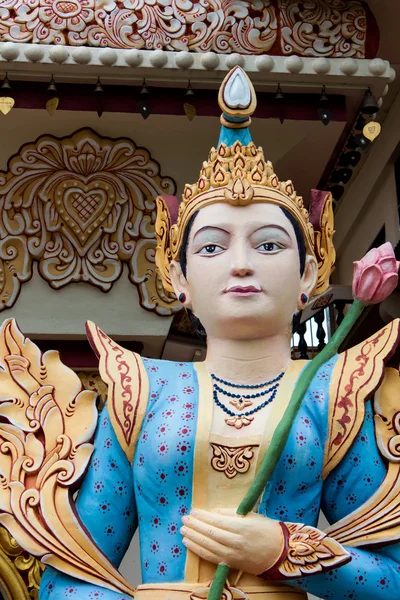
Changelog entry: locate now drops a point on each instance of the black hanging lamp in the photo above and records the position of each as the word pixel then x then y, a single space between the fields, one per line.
pixel 144 104
pixel 6 88
pixel 144 90
pixel 52 88
pixel 361 141
pixel 6 96
pixel 98 92
pixel 342 175
pixel 324 113
pixel 280 101
pixel 188 106
pixel 369 105
pixel 350 158
pixel 53 101
pixel 190 93
pixel 279 95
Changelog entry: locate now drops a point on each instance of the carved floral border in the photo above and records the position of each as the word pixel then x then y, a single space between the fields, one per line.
pixel 328 28
pixel 81 206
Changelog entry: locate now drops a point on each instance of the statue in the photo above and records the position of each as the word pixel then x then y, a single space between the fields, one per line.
pixel 179 444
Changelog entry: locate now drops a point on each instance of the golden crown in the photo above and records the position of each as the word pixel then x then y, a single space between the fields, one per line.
pixel 237 173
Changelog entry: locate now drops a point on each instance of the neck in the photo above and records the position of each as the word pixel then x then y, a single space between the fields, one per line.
pixel 248 361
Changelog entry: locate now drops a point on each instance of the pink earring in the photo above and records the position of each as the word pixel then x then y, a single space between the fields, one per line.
pixel 182 298
pixel 304 298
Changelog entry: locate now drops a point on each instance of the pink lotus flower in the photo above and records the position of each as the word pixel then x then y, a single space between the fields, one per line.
pixel 376 275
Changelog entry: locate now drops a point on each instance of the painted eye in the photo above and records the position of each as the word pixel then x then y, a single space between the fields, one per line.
pixel 269 247
pixel 210 249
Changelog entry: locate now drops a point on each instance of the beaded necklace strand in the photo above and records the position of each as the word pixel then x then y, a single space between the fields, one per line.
pixel 241 401
pixel 247 385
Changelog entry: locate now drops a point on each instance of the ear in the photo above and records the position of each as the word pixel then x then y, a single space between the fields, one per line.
pixel 179 282
pixel 309 277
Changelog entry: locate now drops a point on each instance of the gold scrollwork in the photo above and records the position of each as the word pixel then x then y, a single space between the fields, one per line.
pixel 20 572
pixel 82 206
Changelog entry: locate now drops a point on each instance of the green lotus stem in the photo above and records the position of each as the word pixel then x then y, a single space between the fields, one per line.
pixel 282 431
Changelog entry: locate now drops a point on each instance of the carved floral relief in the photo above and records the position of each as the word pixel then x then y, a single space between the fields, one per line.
pixel 333 28
pixel 81 206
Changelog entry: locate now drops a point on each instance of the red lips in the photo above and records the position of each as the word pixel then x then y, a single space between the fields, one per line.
pixel 238 289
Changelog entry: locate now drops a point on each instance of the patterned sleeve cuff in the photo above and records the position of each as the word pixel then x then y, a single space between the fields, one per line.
pixel 306 551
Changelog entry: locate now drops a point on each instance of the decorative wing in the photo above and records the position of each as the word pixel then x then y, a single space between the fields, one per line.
pixel 46 426
pixel 377 521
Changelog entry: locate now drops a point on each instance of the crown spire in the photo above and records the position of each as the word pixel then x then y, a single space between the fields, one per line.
pixel 237 100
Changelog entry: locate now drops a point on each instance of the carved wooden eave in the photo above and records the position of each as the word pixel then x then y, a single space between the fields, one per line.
pixel 276 41
pixel 82 206
pixel 331 28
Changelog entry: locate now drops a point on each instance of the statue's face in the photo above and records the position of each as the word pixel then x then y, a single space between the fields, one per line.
pixel 243 271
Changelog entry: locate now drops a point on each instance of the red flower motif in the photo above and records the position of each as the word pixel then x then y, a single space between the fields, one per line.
pixel 156 522
pixel 183 447
pixel 184 431
pixel 98 487
pixel 167 414
pixel 185 375
pixel 163 449
pixel 162 568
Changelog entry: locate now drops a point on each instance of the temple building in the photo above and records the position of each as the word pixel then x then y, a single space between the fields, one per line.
pixel 106 105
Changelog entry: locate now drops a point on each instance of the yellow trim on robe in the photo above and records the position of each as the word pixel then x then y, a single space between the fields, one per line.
pixel 128 387
pixel 356 376
pixel 184 591
pixel 204 478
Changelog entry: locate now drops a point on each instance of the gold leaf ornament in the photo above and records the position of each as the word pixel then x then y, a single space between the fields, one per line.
pixel 190 111
pixel 372 130
pixel 52 105
pixel 6 104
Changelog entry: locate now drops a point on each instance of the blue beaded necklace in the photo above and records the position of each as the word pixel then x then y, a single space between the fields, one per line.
pixel 247 396
pixel 246 385
pixel 242 419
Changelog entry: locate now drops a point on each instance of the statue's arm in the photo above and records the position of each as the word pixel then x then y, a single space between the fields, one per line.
pixel 374 571
pixel 106 507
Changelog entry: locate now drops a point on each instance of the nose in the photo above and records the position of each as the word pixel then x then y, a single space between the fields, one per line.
pixel 241 261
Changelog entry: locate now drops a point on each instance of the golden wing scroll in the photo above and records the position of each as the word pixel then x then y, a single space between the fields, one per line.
pixel 377 521
pixel 46 427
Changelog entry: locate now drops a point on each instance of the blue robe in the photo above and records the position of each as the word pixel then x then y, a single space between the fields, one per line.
pixel 156 490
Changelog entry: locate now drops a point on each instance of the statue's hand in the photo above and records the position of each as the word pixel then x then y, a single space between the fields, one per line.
pixel 252 543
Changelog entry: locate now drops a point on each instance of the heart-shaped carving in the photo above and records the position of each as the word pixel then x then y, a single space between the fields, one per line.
pixel 84 206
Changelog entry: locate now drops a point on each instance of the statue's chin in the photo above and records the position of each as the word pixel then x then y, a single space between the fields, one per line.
pixel 246 327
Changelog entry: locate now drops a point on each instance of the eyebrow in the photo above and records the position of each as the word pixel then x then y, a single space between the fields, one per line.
pixel 208 227
pixel 270 226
